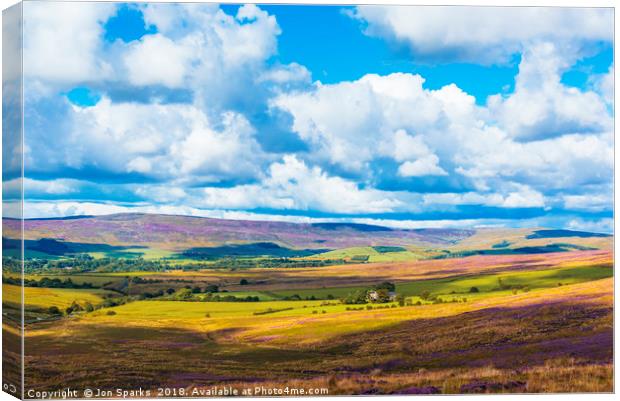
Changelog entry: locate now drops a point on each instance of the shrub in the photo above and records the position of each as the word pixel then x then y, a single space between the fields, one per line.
pixel 357 297
pixel 75 307
pixel 183 294
pixel 243 282
pixel 212 288
pixel 108 303
pixel 53 310
pixel 386 285
pixel 382 295
pixel 270 310
pixel 474 289
pixel 502 285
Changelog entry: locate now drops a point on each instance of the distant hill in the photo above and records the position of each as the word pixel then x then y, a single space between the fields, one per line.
pixel 184 232
pixel 564 234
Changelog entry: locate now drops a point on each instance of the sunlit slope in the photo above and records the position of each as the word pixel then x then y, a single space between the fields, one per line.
pixel 307 322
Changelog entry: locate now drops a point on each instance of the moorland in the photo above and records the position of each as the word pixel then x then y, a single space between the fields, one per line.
pixel 149 301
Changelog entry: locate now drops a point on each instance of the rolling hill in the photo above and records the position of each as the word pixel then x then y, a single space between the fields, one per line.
pixel 183 232
pixel 123 235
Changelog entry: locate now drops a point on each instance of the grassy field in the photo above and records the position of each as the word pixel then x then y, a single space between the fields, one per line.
pixel 146 253
pixel 372 254
pixel 46 297
pixel 296 337
pixel 321 320
pixel 483 282
pixel 534 323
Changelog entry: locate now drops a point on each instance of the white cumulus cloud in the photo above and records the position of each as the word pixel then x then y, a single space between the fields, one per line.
pixel 62 41
pixel 155 59
pixel 427 165
pixel 291 184
pixel 541 106
pixel 483 34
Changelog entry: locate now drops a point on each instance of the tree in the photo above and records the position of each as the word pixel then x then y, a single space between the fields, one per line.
pixel 356 297
pixel 88 307
pixel 170 291
pixel 386 285
pixel 53 310
pixel 381 296
pixel 183 294
pixel 196 290
pixel 474 289
pixel 243 282
pixel 400 299
pixel 502 285
pixel 425 295
pixel 76 307
pixel 212 288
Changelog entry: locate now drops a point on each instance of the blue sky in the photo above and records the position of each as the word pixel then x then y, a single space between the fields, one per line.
pixel 405 116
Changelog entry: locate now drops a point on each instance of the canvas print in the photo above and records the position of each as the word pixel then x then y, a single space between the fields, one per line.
pixel 257 200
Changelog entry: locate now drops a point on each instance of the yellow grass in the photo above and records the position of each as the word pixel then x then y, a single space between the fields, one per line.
pixel 300 325
pixel 46 297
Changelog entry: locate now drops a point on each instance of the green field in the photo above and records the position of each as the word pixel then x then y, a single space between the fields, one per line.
pixel 165 326
pixel 483 282
pixel 145 253
pixel 372 254
pixel 262 295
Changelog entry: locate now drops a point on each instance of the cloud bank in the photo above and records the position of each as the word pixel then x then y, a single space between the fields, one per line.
pixel 200 112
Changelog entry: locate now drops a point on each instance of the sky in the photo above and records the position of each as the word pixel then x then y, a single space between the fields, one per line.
pixel 401 116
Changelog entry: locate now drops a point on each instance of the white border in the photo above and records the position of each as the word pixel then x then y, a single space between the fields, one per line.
pixel 565 3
